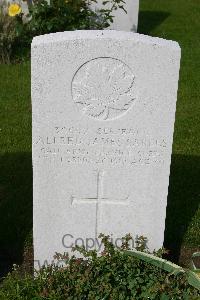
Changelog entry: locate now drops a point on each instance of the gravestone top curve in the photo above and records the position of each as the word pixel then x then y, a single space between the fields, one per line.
pixel 102 34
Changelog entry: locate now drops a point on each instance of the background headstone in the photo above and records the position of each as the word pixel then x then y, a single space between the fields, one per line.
pixel 123 21
pixel 103 117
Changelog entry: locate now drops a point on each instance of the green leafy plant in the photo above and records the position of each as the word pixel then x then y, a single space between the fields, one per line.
pixel 60 15
pixel 7 34
pixel 13 39
pixel 112 275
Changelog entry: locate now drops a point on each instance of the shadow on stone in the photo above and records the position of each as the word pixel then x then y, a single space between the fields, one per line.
pixel 183 201
pixel 149 20
pixel 15 207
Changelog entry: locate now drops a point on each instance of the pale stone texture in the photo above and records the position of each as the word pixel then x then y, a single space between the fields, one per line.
pixel 123 21
pixel 103 117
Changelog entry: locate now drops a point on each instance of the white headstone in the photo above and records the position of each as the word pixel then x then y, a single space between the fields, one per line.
pixel 103 117
pixel 122 21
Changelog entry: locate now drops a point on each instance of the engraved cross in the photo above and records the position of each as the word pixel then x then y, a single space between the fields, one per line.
pixel 99 199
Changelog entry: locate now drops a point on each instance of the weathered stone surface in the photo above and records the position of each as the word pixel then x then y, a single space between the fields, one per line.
pixel 103 118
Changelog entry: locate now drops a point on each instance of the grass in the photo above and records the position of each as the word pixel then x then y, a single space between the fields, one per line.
pixel 179 20
pixel 176 20
pixel 15 161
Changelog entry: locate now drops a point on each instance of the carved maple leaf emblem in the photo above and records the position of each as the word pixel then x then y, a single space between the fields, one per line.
pixel 103 88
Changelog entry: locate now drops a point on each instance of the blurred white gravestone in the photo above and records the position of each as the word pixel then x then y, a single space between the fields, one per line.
pixel 103 117
pixel 122 21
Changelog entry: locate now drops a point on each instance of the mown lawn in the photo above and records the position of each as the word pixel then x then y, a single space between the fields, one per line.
pixel 180 21
pixel 15 161
pixel 171 19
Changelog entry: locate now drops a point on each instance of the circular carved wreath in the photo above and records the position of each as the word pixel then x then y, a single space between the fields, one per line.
pixel 103 88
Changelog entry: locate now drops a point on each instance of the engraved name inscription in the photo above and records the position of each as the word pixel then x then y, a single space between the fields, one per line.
pixel 103 146
pixel 103 88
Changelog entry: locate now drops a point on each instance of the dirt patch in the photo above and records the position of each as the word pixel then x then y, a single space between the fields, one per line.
pixel 186 256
